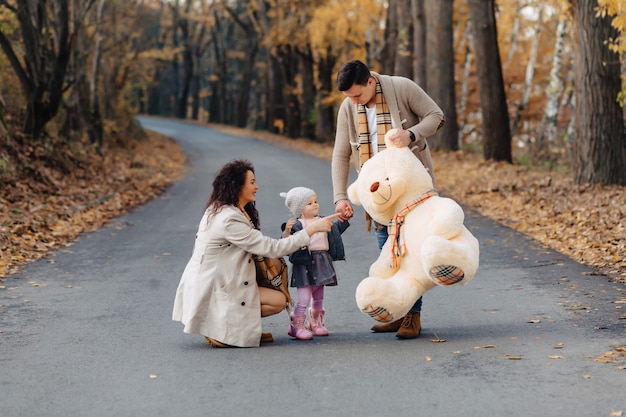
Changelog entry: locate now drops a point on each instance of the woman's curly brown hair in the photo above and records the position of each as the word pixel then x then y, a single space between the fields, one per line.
pixel 226 188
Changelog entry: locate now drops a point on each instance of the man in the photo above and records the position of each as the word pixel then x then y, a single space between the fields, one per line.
pixel 374 104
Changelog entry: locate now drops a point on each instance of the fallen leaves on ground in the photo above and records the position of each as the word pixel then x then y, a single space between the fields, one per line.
pixel 616 355
pixel 38 216
pixel 585 222
pixel 513 357
pixel 438 339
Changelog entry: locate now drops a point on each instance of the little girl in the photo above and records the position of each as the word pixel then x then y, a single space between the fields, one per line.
pixel 312 266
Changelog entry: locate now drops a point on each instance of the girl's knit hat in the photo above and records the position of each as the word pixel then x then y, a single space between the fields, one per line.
pixel 296 198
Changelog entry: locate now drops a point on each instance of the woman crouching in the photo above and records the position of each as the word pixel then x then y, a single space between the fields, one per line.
pixel 218 296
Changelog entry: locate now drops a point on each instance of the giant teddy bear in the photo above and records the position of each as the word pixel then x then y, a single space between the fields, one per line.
pixel 428 244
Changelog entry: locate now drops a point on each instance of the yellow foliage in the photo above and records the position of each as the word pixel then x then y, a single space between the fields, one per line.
pixel 165 54
pixel 616 10
pixel 343 27
pixel 8 22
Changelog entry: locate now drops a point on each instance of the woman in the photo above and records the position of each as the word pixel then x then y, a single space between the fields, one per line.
pixel 218 296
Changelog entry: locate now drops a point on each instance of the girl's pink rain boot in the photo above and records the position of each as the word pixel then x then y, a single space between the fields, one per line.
pixel 298 330
pixel 316 323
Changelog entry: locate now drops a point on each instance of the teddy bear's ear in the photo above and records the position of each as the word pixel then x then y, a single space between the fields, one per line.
pixel 353 194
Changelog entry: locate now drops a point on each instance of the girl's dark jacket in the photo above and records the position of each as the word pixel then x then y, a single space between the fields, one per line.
pixel 335 243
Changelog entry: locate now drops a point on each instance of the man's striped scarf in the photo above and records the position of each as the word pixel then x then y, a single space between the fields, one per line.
pixel 383 123
pixel 399 247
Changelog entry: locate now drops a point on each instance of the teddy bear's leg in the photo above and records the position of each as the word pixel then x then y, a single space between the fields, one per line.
pixel 386 300
pixel 382 267
pixel 450 262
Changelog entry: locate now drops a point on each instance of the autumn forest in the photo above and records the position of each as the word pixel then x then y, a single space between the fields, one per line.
pixel 81 64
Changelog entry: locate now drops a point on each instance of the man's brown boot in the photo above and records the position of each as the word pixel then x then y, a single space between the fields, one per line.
pixel 394 326
pixel 411 326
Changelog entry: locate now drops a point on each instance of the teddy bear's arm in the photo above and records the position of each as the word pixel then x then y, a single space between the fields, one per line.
pixel 382 267
pixel 448 217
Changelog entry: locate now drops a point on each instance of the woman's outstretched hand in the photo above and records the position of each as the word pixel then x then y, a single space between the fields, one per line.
pixel 322 225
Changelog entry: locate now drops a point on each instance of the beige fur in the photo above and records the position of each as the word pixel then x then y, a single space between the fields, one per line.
pixel 433 232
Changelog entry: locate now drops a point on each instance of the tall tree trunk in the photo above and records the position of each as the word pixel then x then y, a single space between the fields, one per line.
pixel 468 46
pixel 3 123
pixel 243 98
pixel 275 117
pixel 154 96
pixel 188 62
pixel 175 7
pixel 600 146
pixel 496 129
pixel 530 70
pixel 195 88
pixel 217 101
pixel 548 129
pixel 307 104
pixel 183 98
pixel 440 64
pixel 76 101
pixel 419 42
pixel 325 112
pixel 567 103
pixel 201 46
pixel 404 42
pixel 289 69
pixel 248 23
pixel 514 33
pixel 153 90
pixel 274 99
pixel 42 76
pixel 217 106
pixel 94 107
pixel 388 55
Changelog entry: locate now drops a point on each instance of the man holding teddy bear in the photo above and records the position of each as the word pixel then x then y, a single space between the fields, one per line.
pixel 375 104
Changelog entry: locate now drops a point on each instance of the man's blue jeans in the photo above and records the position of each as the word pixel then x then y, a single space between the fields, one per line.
pixel 381 236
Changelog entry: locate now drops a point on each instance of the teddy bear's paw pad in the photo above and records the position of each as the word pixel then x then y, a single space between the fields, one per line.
pixel 380 314
pixel 446 274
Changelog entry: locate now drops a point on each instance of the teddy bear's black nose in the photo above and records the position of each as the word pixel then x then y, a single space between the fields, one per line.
pixel 374 187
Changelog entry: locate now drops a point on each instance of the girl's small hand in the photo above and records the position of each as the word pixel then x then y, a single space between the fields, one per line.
pixel 288 227
pixel 344 210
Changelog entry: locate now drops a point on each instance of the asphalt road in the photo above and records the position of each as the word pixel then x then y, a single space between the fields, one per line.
pixel 88 331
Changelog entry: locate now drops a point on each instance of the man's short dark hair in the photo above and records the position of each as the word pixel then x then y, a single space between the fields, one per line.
pixel 351 73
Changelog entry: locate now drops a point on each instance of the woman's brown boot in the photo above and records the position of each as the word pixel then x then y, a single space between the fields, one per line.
pixel 216 343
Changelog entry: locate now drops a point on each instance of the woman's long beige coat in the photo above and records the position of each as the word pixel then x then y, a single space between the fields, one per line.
pixel 218 295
